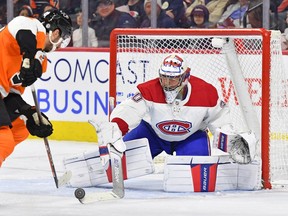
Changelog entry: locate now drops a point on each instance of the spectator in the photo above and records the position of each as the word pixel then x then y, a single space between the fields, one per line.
pixel 283 6
pixel 193 4
pixel 77 34
pixel 25 10
pixel 254 15
pixel 18 4
pixel 280 13
pixel 163 20
pixel 3 14
pixel 216 8
pixel 136 8
pixel 176 10
pixel 200 17
pixel 233 15
pixel 107 18
pixel 46 7
pixel 39 5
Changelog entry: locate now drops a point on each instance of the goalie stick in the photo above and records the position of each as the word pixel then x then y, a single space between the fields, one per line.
pixel 117 179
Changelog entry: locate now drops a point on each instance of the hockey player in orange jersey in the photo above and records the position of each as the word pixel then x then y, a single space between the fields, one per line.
pixel 23 46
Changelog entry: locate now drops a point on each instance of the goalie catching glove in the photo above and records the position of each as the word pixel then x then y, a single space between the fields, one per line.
pixel 241 147
pixel 239 150
pixel 35 127
pixel 31 68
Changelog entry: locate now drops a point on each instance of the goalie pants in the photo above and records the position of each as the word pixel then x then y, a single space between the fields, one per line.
pixel 196 145
pixel 10 133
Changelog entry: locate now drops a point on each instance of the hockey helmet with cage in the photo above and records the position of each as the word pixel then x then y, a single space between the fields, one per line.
pixel 57 19
pixel 173 76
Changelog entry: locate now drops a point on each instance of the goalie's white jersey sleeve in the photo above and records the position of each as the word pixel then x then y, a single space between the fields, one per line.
pixel 200 109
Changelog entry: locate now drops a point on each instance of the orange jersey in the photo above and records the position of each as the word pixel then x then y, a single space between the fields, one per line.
pixel 11 46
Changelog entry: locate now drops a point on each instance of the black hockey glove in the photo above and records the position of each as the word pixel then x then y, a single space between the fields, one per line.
pixel 31 68
pixel 35 128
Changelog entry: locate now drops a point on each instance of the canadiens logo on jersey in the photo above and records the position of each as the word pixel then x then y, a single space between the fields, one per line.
pixel 174 127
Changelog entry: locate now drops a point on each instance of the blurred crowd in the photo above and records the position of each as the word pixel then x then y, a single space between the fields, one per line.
pixel 105 15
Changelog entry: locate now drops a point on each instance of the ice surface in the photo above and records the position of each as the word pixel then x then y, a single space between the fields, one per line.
pixel 27 188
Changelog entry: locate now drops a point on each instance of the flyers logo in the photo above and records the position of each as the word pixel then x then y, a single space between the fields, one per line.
pixel 173 127
pixel 16 79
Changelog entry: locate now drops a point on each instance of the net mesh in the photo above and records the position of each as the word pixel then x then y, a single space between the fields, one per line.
pixel 139 58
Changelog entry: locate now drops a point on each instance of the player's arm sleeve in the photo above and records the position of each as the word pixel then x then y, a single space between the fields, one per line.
pixel 129 113
pixel 27 43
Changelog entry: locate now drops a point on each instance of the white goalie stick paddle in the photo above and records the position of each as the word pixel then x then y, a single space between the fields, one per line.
pixel 117 179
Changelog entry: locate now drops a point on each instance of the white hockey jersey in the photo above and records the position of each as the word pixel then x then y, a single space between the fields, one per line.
pixel 201 109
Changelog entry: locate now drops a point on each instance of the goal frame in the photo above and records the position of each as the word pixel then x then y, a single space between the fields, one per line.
pixel 266 64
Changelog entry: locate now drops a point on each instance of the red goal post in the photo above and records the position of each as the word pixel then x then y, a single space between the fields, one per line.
pixel 245 65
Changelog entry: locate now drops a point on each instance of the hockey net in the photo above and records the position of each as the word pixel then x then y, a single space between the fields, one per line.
pixel 244 65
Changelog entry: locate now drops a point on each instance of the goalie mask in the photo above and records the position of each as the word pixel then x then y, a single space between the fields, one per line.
pixel 173 76
pixel 57 19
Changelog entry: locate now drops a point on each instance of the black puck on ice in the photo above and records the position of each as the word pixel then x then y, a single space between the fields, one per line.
pixel 79 193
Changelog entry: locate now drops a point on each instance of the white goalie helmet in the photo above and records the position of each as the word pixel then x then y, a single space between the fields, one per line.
pixel 173 76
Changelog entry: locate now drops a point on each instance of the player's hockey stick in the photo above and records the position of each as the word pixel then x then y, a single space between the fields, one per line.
pixel 45 138
pixel 118 190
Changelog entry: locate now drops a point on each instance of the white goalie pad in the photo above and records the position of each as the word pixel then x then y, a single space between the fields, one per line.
pixel 209 174
pixel 139 161
pixel 87 168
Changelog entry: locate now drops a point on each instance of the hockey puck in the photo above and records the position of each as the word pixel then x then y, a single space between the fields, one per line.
pixel 79 193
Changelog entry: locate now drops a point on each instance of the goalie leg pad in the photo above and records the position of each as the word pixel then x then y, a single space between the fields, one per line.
pixel 89 170
pixel 209 174
pixel 249 176
pixel 139 161
pixel 191 173
pixel 233 176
